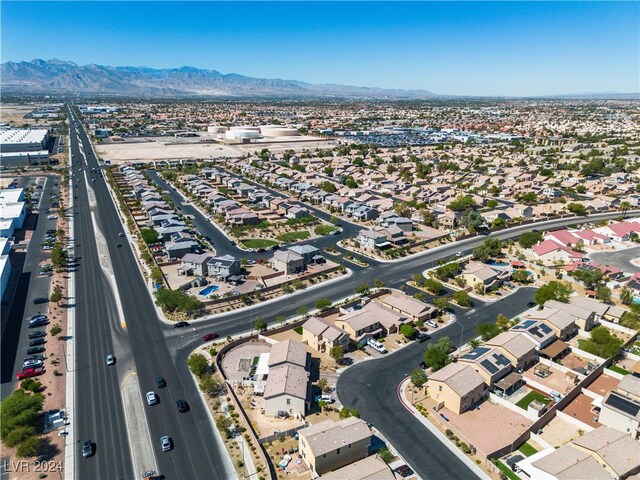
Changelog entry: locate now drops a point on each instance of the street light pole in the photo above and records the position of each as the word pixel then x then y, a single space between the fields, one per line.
pixel 461 331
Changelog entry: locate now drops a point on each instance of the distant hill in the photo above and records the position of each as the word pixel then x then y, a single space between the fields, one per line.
pixel 57 76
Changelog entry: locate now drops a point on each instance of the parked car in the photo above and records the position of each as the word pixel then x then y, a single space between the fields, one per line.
pixel 180 324
pixel 432 324
pixel 423 337
pixel 88 449
pixel 38 334
pixel 404 471
pixel 531 304
pixel 152 398
pixel 32 362
pixel 166 443
pixel 111 360
pixel 29 372
pixel 37 341
pixel 459 254
pixel 34 350
pixel 182 406
pixel 161 382
pixel 210 336
pixel 376 345
pixel 121 234
pixel 324 398
pixel 39 300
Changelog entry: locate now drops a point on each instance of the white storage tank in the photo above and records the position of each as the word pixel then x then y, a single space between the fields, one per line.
pixel 216 129
pixel 237 133
pixel 278 131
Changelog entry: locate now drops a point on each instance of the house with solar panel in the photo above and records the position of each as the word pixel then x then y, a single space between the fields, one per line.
pixel 620 409
pixel 539 332
pixel 489 362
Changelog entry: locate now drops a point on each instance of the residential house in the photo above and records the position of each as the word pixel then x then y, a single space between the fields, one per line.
pixel 489 362
pixel 550 251
pixel 372 320
pixel 224 267
pixel 178 249
pixel 321 335
pixel 517 347
pixel 372 240
pixel 330 445
pixel 621 412
pixel 287 261
pixel 584 318
pixel 287 390
pixel 477 273
pixel 564 463
pixel 538 332
pixel 370 468
pixel 560 321
pixel 614 450
pixel 307 252
pixel 409 306
pixel 193 264
pixel 456 386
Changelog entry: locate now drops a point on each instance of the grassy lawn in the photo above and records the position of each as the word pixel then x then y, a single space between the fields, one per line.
pixel 527 450
pixel 324 229
pixel 619 370
pixel 258 243
pixel 294 236
pixel 298 330
pixel 530 397
pixel 507 471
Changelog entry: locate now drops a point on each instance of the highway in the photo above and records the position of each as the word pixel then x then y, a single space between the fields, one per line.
pixel 151 348
pixel 139 347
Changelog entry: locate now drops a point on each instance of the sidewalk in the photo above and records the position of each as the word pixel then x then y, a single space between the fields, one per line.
pixel 441 436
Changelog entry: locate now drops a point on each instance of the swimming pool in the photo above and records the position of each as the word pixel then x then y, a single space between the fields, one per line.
pixel 208 290
pixel 496 263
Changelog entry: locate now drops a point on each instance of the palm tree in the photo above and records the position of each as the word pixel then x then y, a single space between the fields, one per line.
pixel 624 206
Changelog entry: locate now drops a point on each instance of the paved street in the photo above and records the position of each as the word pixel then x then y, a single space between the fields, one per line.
pixel 372 388
pixel 140 346
pixel 619 258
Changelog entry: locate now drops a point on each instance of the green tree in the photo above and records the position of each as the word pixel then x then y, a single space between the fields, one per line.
pixel 209 385
pixel 437 354
pixel 198 364
pixel 303 310
pixel 385 455
pixel 576 208
pixel 488 330
pixel 592 279
pixel 418 279
pixel 20 409
pixel 503 322
pixel 408 331
pixel 31 385
pixel 553 290
pixel 602 343
pixel 323 304
pixel 626 296
pixel 56 295
pixel 29 447
pixel 363 289
pixel 433 286
pixel 462 298
pixel 475 343
pixel 149 235
pixel 529 239
pixel 323 385
pixel 418 377
pixel 261 323
pixel 462 203
pixel 378 283
pixel 176 301
pixel 19 435
pixel 337 353
pixel 442 303
pixel 604 294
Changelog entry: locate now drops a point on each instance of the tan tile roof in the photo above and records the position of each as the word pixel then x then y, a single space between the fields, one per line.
pixel 617 449
pixel 318 326
pixel 370 314
pixel 460 377
pixel 406 304
pixel 286 379
pixel 517 344
pixel 630 384
pixel 288 351
pixel 370 468
pixel 568 463
pixel 327 436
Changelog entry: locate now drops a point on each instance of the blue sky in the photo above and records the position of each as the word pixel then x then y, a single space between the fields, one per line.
pixel 462 48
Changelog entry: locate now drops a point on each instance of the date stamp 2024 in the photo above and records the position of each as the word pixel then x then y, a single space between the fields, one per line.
pixel 24 466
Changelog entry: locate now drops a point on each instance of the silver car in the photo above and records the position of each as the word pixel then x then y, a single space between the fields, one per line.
pixel 152 398
pixel 166 443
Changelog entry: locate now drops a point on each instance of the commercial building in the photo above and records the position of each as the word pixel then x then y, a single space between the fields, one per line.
pixel 22 147
pixel 330 445
pixel 12 210
pixel 5 265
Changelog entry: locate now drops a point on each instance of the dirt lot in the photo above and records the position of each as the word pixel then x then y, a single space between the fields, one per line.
pixel 149 151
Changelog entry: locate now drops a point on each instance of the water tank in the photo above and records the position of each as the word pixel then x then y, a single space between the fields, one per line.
pixel 278 131
pixel 216 129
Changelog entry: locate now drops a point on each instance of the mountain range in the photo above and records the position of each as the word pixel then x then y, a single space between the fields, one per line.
pixel 58 76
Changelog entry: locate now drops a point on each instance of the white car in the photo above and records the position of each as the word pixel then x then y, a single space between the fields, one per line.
pixel 111 360
pixel 152 398
pixel 432 324
pixel 459 254
pixel 166 443
pixel 376 345
pixel 324 398
pixel 52 217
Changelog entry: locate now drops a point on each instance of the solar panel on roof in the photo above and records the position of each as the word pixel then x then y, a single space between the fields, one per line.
pixel 545 328
pixel 524 325
pixel 491 368
pixel 475 353
pixel 501 359
pixel 623 404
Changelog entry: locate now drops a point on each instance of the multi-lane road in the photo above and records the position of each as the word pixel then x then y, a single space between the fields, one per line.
pixel 124 321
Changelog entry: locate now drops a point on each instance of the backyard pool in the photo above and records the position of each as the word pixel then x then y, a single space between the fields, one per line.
pixel 208 290
pixel 497 263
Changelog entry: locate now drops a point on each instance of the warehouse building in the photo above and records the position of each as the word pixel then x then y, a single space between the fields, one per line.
pixel 20 147
pixel 12 211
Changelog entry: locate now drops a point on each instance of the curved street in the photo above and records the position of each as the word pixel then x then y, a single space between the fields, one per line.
pixel 621 259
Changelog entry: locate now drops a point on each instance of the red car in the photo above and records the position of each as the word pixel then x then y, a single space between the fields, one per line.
pixel 30 372
pixel 210 336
